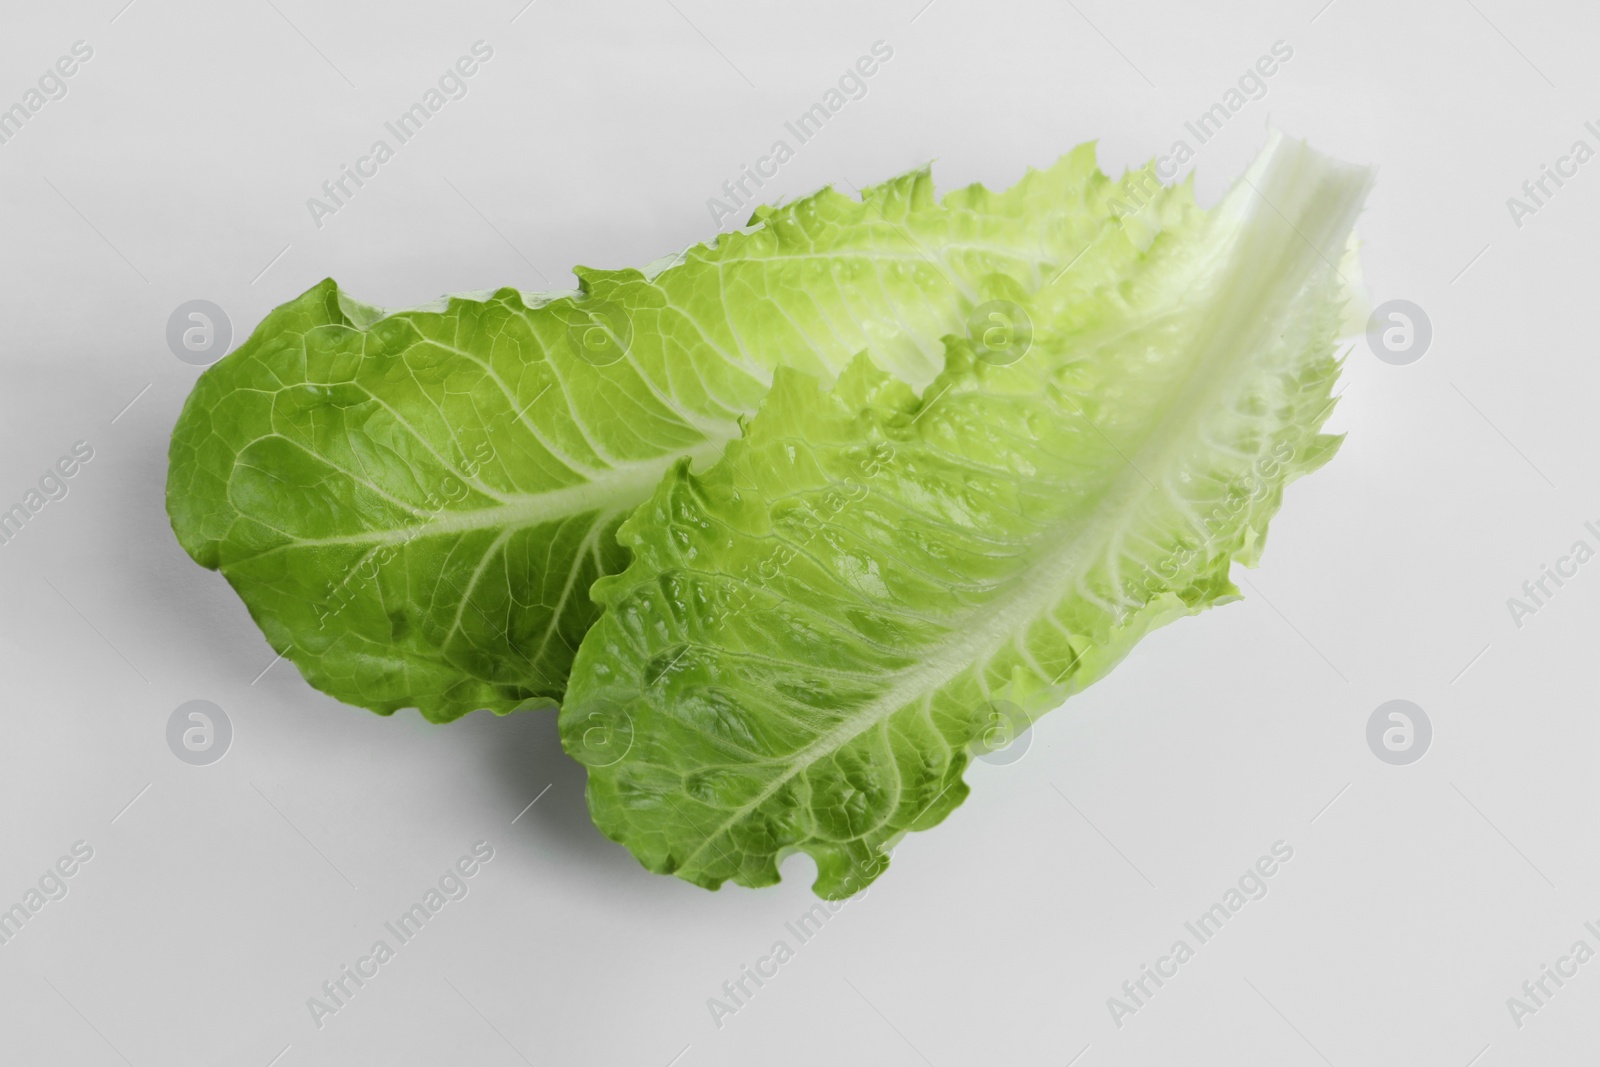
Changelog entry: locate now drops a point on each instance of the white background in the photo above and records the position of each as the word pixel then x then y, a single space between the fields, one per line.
pixel 178 166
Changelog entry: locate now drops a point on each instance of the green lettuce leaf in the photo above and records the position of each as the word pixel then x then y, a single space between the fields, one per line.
pixel 413 504
pixel 818 633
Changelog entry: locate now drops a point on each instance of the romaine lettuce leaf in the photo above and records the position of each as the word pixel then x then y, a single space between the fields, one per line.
pixel 413 504
pixel 816 633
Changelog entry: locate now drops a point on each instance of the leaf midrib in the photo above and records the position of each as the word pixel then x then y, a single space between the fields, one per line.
pixel 622 488
pixel 1045 584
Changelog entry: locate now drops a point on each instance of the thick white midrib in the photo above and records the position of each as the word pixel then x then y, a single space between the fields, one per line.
pixel 619 489
pixel 1043 586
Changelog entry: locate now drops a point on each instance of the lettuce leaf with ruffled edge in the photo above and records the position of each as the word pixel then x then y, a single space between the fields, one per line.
pixel 819 632
pixel 413 504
